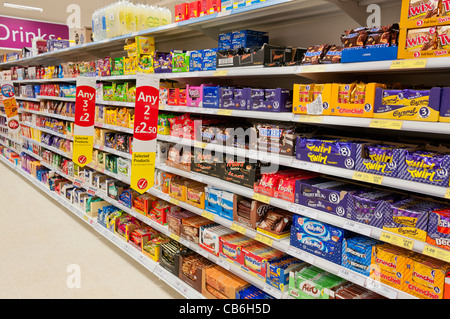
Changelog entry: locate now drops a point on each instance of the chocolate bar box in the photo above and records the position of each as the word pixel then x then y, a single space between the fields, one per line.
pixel 369 206
pixel 318 238
pixel 327 195
pixel 338 152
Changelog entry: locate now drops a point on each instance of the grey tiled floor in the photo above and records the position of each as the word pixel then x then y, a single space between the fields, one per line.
pixel 40 240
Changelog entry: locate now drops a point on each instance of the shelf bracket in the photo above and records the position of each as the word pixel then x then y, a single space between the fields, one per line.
pixel 352 9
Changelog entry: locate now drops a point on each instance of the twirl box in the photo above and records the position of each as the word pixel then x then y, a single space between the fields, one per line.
pixel 425 165
pixel 326 150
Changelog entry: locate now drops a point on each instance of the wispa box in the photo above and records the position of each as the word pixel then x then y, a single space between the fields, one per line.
pixel 327 151
pixel 325 194
pixel 275 100
pixel 428 164
pixel 236 99
pixel 368 207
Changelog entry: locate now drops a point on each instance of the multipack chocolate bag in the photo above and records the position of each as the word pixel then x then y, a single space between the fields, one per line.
pixel 315 54
pixel 333 55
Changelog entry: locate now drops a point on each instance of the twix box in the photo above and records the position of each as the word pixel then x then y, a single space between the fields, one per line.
pixel 425 277
pixel 424 13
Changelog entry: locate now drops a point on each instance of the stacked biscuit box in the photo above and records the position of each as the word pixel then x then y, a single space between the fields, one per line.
pixel 424 29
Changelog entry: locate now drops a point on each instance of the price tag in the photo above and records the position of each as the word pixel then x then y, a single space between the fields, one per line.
pixel 308 119
pixel 409 64
pixel 208 215
pixel 174 237
pixel 184 242
pixel 347 274
pixel 174 201
pixel 447 193
pixel 378 287
pixel 160 272
pixel 84 126
pixel 436 252
pixel 145 133
pixel 261 198
pixel 181 287
pixel 200 145
pixel 220 73
pixel 386 124
pixel 270 290
pixel 305 211
pixel 314 68
pixel 224 112
pixel 238 228
pixel 307 166
pixel 397 240
pixel 197 178
pixel 369 178
pixel 202 252
pixel 223 263
pixel 357 228
pixel 265 240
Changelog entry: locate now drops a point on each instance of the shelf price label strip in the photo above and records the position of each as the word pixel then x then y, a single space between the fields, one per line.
pixel 145 133
pixel 83 142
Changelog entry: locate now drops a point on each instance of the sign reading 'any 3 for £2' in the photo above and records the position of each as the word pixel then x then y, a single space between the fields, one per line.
pixel 83 143
pixel 145 133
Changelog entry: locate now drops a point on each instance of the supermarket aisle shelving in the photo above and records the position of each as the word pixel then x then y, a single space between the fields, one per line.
pixel 60 240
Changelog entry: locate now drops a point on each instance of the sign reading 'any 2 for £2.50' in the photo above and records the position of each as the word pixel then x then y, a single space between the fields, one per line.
pixel 83 143
pixel 145 133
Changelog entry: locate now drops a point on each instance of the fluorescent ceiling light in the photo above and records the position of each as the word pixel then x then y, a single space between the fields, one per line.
pixel 18 6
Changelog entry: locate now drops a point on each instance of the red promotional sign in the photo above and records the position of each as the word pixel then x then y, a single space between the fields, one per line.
pixel 83 142
pixel 145 133
pixel 85 106
pixel 146 113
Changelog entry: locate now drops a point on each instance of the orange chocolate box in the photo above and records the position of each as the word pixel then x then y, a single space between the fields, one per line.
pixel 425 277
